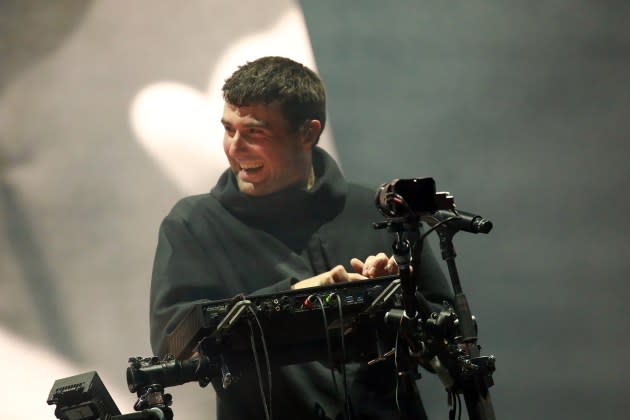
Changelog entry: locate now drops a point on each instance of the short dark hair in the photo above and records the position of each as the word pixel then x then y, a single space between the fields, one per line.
pixel 296 88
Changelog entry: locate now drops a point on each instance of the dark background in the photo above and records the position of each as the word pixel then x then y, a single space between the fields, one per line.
pixel 520 110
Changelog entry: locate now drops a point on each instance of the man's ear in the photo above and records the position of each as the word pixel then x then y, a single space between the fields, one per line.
pixel 312 130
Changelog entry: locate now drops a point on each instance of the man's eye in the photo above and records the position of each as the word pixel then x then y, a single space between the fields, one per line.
pixel 256 132
pixel 230 131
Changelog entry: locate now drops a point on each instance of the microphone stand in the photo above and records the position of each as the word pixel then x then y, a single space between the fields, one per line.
pixel 407 396
pixel 445 341
pixel 475 371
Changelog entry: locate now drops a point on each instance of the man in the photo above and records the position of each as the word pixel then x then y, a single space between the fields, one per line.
pixel 282 216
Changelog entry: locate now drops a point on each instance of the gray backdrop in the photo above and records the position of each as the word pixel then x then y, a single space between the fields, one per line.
pixel 521 110
pixel 518 109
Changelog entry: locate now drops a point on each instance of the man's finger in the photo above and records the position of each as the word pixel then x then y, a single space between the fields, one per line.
pixel 375 264
pixel 357 265
pixel 338 274
pixel 391 266
pixel 356 277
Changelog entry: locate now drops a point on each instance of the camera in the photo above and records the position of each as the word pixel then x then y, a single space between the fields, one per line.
pixel 405 197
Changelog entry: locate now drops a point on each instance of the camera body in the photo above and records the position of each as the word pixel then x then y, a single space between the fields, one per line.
pixel 405 197
pixel 82 397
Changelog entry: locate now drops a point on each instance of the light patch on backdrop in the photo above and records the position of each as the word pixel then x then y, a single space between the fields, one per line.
pixel 179 126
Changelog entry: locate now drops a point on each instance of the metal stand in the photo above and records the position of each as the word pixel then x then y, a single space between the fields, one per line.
pixel 473 373
pixel 407 348
pixel 152 404
pixel 445 342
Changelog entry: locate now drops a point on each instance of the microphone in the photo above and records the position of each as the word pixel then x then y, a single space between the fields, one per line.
pixel 462 220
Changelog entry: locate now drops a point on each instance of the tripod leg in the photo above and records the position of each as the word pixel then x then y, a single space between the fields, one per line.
pixel 408 398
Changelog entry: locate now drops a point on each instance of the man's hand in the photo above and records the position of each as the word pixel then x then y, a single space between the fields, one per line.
pixel 375 265
pixel 337 274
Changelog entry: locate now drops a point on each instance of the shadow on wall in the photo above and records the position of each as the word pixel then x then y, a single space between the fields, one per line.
pixel 32 29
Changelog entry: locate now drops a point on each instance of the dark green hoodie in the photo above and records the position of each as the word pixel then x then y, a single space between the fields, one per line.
pixel 217 245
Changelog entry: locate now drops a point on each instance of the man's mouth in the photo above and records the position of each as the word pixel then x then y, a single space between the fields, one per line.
pixel 252 166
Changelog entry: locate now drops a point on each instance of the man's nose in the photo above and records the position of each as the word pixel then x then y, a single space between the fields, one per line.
pixel 237 142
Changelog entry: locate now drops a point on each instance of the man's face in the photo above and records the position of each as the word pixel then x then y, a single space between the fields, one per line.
pixel 264 153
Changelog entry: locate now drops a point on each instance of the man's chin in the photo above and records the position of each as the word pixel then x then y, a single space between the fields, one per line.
pixel 249 188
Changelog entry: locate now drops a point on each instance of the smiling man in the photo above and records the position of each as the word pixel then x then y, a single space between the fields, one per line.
pixel 281 217
pixel 264 152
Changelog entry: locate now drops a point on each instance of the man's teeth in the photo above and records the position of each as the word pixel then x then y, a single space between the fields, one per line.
pixel 248 166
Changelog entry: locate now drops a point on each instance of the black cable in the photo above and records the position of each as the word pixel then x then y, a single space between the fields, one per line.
pixel 331 361
pixel 343 364
pixel 267 407
pixel 457 408
pixel 396 367
pixel 437 225
pixel 267 360
pixel 259 373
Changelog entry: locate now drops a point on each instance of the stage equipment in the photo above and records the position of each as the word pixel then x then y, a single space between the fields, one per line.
pixel 84 397
pixel 289 318
pixel 338 323
pixel 293 333
pixel 446 341
pixel 368 321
